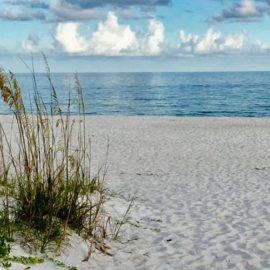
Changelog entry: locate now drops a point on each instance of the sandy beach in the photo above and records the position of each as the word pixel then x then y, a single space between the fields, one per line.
pixel 202 188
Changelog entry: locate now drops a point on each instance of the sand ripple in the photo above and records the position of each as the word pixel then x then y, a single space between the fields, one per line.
pixel 203 191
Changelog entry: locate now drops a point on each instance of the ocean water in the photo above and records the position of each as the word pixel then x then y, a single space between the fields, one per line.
pixel 173 94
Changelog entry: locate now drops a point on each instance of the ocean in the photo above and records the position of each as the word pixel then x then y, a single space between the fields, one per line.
pixel 244 94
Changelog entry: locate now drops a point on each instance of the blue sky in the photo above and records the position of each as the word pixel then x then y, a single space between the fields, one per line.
pixel 136 35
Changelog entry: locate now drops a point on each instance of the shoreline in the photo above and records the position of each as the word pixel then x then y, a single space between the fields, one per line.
pixel 10 115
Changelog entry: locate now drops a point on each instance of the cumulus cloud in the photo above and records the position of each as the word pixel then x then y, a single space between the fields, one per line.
pixel 156 37
pixel 110 38
pixel 246 10
pixel 67 35
pixel 114 39
pixel 211 42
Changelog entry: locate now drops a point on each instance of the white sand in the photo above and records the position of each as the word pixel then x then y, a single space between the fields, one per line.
pixel 203 193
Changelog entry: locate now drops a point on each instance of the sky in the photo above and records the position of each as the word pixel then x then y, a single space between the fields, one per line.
pixel 135 35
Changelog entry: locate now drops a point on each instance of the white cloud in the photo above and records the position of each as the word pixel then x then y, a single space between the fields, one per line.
pixel 110 38
pixel 156 37
pixel 67 35
pixel 210 42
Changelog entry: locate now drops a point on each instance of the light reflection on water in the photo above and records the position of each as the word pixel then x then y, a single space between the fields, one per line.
pixel 174 94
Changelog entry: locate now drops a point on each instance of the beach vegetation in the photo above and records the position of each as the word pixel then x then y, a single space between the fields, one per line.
pixel 116 226
pixel 47 189
pixel 6 259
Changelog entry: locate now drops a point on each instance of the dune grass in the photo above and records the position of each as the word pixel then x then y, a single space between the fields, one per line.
pixel 47 189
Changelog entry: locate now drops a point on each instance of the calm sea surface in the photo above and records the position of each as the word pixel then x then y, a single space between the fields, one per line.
pixel 174 94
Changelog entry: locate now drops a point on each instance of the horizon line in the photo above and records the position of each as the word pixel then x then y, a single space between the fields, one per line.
pixel 138 72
